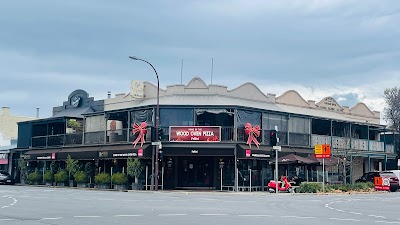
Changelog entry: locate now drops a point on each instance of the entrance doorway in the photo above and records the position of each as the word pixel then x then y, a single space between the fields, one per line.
pixel 196 172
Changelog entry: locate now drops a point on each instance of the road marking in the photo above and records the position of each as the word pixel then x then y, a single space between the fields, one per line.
pixel 255 215
pixel 377 216
pixel 106 199
pixel 210 214
pixel 388 222
pixel 6 219
pixel 339 210
pixel 299 217
pixel 345 219
pixel 87 216
pixel 355 213
pixel 127 215
pixel 172 214
pixel 54 218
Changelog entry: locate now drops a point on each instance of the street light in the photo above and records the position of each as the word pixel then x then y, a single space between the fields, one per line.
pixel 155 177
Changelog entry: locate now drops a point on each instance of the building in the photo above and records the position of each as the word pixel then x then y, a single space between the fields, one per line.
pixel 8 136
pixel 204 140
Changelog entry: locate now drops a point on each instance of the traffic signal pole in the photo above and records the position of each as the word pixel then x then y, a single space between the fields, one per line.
pixel 276 170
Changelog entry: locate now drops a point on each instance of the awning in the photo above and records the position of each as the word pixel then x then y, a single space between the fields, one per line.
pixel 124 151
pixel 292 158
pixel 45 154
pixel 80 153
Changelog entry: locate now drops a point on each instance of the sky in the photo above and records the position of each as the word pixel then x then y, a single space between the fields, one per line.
pixel 346 49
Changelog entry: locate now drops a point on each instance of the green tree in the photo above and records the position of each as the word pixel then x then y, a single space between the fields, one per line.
pixel 134 168
pixel 72 166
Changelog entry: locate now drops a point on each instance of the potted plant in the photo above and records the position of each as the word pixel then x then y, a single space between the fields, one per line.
pixel 72 166
pixel 89 171
pixel 23 169
pixel 48 178
pixel 81 179
pixel 120 181
pixel 102 180
pixel 134 169
pixel 34 177
pixel 61 178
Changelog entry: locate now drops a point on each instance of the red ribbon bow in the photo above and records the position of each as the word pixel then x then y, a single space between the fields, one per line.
pixel 142 131
pixel 253 133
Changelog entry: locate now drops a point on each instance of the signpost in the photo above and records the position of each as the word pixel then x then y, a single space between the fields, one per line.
pixel 382 183
pixel 322 151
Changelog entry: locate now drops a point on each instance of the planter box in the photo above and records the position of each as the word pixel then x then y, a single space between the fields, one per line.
pixel 137 186
pixel 49 183
pixel 103 186
pixel 61 184
pixel 120 187
pixel 72 183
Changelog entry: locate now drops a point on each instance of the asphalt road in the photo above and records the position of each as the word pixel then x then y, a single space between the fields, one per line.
pixel 46 205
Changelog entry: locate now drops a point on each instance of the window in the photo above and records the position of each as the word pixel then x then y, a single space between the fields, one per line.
pixel 144 115
pixel 299 125
pixel 244 117
pixel 176 117
pixel 95 123
pixel 271 120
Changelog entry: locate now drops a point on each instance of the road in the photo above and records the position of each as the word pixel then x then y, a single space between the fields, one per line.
pixel 46 205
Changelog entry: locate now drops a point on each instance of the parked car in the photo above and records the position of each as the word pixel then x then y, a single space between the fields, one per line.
pixel 369 177
pixel 396 172
pixel 6 178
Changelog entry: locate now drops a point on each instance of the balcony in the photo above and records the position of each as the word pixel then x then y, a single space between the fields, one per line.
pixel 353 144
pixel 57 140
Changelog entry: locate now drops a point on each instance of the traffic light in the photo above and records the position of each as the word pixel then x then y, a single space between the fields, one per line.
pixel 160 155
pixel 272 138
pixel 273 154
pixel 160 133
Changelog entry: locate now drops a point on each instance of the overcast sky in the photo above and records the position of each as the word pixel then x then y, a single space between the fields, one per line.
pixel 342 48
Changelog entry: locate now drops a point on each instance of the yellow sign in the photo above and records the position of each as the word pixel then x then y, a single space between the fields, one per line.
pixel 318 149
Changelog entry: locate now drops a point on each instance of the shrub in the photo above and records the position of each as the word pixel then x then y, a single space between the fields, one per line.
pixel 119 178
pixel 360 187
pixel 81 177
pixel 34 177
pixel 48 176
pixel 102 178
pixel 61 176
pixel 310 187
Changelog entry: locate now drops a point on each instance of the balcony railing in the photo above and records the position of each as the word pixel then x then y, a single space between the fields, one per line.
pixel 353 144
pixel 57 140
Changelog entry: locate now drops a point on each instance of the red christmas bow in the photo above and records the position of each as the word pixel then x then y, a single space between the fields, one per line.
pixel 142 131
pixel 253 133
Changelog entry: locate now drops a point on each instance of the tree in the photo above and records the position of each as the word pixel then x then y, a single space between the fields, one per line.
pixel 392 111
pixel 23 168
pixel 134 168
pixel 72 166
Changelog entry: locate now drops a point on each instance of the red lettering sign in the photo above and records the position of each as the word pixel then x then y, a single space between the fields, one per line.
pixel 248 153
pixel 194 134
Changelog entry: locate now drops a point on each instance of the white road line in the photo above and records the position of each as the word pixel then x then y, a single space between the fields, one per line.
pixel 7 219
pixel 3 207
pixel 172 214
pixel 345 219
pixel 255 215
pixel 355 213
pixel 106 199
pixel 299 217
pixel 127 215
pixel 377 216
pixel 87 216
pixel 54 218
pixel 388 222
pixel 210 214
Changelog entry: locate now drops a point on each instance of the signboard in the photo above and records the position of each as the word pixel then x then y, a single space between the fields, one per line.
pixel 382 183
pixel 3 158
pixel 140 152
pixel 322 151
pixel 194 134
pixel 137 89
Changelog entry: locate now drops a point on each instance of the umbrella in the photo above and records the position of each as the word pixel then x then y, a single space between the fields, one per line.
pixel 328 161
pixel 291 158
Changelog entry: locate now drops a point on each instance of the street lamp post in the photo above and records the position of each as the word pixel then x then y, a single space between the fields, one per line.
pixel 155 176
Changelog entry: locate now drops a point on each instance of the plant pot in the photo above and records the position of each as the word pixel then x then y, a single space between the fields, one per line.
pixel 62 184
pixel 137 186
pixel 120 187
pixel 103 186
pixel 49 183
pixel 72 183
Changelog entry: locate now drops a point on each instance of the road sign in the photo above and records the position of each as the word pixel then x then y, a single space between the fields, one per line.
pixel 279 148
pixel 322 151
pixel 318 149
pixel 156 143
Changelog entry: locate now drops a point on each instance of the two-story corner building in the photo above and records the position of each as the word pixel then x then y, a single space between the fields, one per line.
pixel 204 140
pixel 8 136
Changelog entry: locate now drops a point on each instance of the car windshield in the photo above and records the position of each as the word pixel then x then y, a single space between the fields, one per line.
pixel 387 174
pixel 4 173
